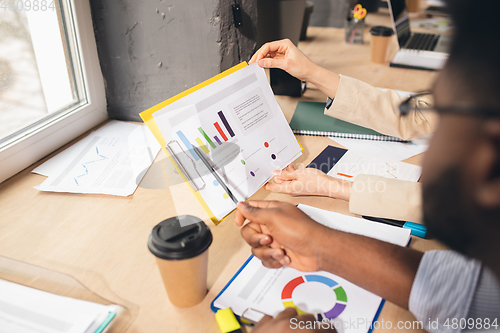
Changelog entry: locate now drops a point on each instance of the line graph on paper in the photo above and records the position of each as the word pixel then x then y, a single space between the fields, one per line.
pixel 392 170
pixel 97 158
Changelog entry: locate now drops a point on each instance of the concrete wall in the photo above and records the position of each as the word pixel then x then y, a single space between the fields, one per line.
pixel 152 50
pixel 237 44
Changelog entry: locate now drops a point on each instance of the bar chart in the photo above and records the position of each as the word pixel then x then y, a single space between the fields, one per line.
pixel 209 143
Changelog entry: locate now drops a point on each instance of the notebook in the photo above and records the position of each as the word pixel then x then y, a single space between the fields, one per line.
pixel 309 119
pixel 258 290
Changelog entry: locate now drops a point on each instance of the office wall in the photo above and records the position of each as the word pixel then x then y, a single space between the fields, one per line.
pixel 152 50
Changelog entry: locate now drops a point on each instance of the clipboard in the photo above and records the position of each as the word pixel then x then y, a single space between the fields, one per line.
pixel 192 176
pixel 147 117
pixel 248 319
pixel 242 297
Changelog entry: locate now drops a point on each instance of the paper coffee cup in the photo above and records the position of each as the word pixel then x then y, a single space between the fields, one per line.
pixel 413 6
pixel 379 44
pixel 182 258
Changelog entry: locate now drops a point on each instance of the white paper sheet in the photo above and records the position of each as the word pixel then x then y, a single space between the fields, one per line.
pixel 384 149
pixel 355 225
pixel 247 135
pixel 27 310
pixel 268 290
pixel 354 163
pixel 111 160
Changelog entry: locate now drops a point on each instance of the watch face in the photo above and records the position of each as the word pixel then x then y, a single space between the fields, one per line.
pixel 329 102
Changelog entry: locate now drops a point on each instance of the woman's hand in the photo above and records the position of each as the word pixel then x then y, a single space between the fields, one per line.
pixel 285 55
pixel 309 181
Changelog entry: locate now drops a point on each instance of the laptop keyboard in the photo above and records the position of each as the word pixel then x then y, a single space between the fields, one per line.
pixel 425 42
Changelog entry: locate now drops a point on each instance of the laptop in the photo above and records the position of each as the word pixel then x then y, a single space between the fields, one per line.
pixel 416 50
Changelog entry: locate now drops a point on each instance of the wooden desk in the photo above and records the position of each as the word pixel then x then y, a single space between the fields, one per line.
pixel 101 240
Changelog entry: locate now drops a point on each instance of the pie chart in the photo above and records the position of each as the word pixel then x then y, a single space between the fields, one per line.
pixel 335 311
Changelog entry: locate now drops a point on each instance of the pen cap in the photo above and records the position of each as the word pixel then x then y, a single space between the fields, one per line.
pixel 171 241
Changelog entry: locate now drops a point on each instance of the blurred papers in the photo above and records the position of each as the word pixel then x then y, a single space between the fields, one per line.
pixel 111 160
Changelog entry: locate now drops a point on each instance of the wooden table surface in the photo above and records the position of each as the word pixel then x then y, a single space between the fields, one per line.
pixel 101 239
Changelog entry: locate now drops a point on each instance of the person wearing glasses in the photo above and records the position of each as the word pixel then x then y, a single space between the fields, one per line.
pixel 447 290
pixel 359 103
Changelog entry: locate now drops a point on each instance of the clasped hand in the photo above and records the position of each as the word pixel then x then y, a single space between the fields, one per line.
pixel 280 235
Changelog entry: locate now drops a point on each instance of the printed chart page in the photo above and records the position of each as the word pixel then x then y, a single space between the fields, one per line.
pixel 238 125
pixel 111 160
pixel 354 163
pixel 322 294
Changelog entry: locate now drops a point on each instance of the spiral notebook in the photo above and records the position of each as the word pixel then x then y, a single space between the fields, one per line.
pixel 309 119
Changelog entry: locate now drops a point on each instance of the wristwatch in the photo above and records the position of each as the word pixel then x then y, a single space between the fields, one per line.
pixel 329 103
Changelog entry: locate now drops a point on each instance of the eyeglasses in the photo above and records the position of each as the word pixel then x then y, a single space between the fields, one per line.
pixel 410 105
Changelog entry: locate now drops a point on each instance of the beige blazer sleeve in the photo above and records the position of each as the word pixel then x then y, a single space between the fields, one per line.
pixel 360 103
pixel 390 198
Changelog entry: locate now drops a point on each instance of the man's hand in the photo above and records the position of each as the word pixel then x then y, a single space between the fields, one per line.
pixel 309 181
pixel 280 234
pixel 288 321
pixel 285 55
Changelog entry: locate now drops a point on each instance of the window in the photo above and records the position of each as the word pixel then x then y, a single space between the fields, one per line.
pixel 51 87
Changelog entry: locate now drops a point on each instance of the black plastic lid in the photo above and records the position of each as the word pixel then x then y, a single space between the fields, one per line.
pixel 169 240
pixel 381 31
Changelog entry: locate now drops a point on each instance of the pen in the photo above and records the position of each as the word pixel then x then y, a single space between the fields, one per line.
pixel 221 182
pixel 415 228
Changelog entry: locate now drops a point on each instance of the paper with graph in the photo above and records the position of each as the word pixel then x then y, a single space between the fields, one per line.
pixel 324 295
pixel 111 160
pixel 355 162
pixel 240 128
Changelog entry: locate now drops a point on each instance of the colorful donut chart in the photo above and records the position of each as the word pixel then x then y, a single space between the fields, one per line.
pixel 334 312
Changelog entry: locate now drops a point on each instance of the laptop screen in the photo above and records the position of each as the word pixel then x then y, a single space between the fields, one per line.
pixel 399 16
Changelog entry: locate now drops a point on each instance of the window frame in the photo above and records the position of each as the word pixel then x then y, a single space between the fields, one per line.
pixel 29 149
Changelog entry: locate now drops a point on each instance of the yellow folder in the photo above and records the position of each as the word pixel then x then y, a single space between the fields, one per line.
pixel 147 117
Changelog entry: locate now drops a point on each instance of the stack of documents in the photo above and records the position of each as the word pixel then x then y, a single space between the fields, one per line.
pixel 378 158
pixel 348 164
pixel 27 310
pixel 354 163
pixel 111 160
